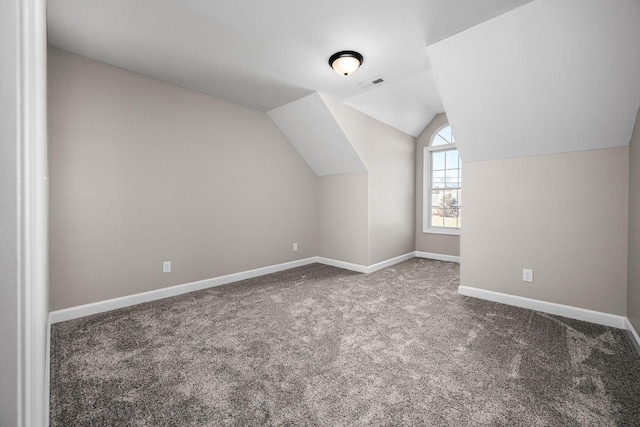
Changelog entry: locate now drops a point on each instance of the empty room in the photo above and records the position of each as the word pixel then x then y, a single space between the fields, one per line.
pixel 320 213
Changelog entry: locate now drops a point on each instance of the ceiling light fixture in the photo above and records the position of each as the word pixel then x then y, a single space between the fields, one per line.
pixel 345 62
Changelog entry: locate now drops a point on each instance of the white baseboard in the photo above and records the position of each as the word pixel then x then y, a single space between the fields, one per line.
pixel 438 257
pixel 341 264
pixel 390 262
pixel 365 269
pixel 597 317
pixel 634 334
pixel 47 372
pixel 129 300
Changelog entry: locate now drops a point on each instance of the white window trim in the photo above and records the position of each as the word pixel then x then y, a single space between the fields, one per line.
pixel 426 186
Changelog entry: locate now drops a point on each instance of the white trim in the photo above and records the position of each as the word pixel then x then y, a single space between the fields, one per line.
pixel 597 317
pixel 634 334
pixel 342 264
pixel 129 300
pixel 439 257
pixel 442 230
pixel 364 269
pixel 427 228
pixel 32 226
pixel 390 262
pixel 437 131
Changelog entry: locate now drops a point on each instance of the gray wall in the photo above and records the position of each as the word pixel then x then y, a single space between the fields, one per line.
pixel 563 215
pixel 143 172
pixel 633 291
pixel 389 157
pixel 430 242
pixel 343 225
pixel 8 215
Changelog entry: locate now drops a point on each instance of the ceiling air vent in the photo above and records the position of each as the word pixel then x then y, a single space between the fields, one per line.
pixel 373 82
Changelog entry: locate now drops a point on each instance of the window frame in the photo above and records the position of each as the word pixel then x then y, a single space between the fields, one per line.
pixel 426 185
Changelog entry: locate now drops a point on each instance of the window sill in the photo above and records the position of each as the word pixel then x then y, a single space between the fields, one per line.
pixel 447 231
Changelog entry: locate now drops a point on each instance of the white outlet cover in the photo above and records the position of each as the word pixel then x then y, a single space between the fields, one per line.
pixel 166 267
pixel 527 275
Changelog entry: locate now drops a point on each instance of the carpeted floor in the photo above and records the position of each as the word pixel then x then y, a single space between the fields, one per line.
pixel 318 345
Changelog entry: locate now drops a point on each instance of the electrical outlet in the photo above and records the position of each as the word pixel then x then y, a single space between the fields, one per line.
pixel 166 267
pixel 527 275
pixel 295 246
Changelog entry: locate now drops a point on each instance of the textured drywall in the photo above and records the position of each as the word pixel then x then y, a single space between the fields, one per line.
pixel 445 244
pixel 564 216
pixel 144 172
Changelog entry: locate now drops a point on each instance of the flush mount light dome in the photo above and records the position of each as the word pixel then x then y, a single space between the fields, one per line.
pixel 345 62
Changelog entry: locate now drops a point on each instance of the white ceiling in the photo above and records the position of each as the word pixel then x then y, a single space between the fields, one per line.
pixel 266 54
pixel 313 131
pixel 574 86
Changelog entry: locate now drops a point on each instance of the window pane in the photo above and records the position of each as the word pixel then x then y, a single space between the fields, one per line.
pixel 450 219
pixel 450 199
pixel 438 179
pixel 437 160
pixel 437 220
pixel 445 210
pixel 452 179
pixel 444 136
pixel 438 140
pixel 452 159
pixel 443 191
pixel 437 202
pixel 445 133
pixel 436 198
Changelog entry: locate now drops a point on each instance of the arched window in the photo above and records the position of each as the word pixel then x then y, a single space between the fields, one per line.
pixel 442 184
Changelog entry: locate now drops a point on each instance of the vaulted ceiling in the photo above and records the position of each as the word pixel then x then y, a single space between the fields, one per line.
pixel 551 76
pixel 516 77
pixel 266 54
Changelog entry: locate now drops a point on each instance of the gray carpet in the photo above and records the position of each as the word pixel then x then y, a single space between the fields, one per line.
pixel 318 345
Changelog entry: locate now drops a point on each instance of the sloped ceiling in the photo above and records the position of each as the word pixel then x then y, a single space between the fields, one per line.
pixel 314 132
pixel 394 102
pixel 265 54
pixel 550 76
